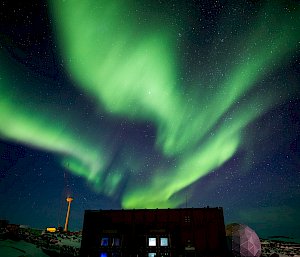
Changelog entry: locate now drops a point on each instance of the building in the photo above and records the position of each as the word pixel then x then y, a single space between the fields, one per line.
pixel 154 232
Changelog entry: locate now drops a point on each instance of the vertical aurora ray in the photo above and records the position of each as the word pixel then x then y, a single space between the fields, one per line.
pixel 132 71
pixel 270 42
pixel 126 66
pixel 209 156
pixel 134 74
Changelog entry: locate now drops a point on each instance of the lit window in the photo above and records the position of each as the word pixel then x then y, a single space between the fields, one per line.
pixel 187 219
pixel 152 242
pixel 103 254
pixel 116 241
pixel 163 241
pixel 151 254
pixel 104 241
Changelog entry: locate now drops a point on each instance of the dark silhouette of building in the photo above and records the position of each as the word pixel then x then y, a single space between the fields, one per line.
pixel 154 232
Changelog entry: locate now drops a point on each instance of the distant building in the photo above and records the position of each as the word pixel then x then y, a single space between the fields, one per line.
pixel 154 233
pixel 13 227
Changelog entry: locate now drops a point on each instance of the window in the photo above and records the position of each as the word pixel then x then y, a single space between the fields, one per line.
pixel 103 254
pixel 187 219
pixel 116 241
pixel 151 254
pixel 104 241
pixel 163 241
pixel 152 242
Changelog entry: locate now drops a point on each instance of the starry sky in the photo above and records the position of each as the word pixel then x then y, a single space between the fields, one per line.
pixel 150 104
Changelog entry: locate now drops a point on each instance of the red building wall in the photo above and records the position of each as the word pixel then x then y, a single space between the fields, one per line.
pixel 189 232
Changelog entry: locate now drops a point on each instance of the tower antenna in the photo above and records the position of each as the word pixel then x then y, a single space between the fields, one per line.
pixel 69 200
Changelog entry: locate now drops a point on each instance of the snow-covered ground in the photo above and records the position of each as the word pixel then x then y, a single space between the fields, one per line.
pixel 69 242
pixel 9 248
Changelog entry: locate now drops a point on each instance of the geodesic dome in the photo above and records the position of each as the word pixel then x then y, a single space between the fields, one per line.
pixel 242 241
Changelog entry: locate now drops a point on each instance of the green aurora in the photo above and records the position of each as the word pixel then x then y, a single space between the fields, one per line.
pixel 132 69
pixel 27 121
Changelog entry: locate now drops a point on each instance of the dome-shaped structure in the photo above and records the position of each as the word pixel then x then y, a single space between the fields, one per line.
pixel 242 241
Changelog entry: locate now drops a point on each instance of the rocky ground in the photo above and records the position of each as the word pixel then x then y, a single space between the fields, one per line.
pixel 275 248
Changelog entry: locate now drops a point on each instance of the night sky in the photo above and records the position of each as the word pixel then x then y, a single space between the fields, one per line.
pixel 150 104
